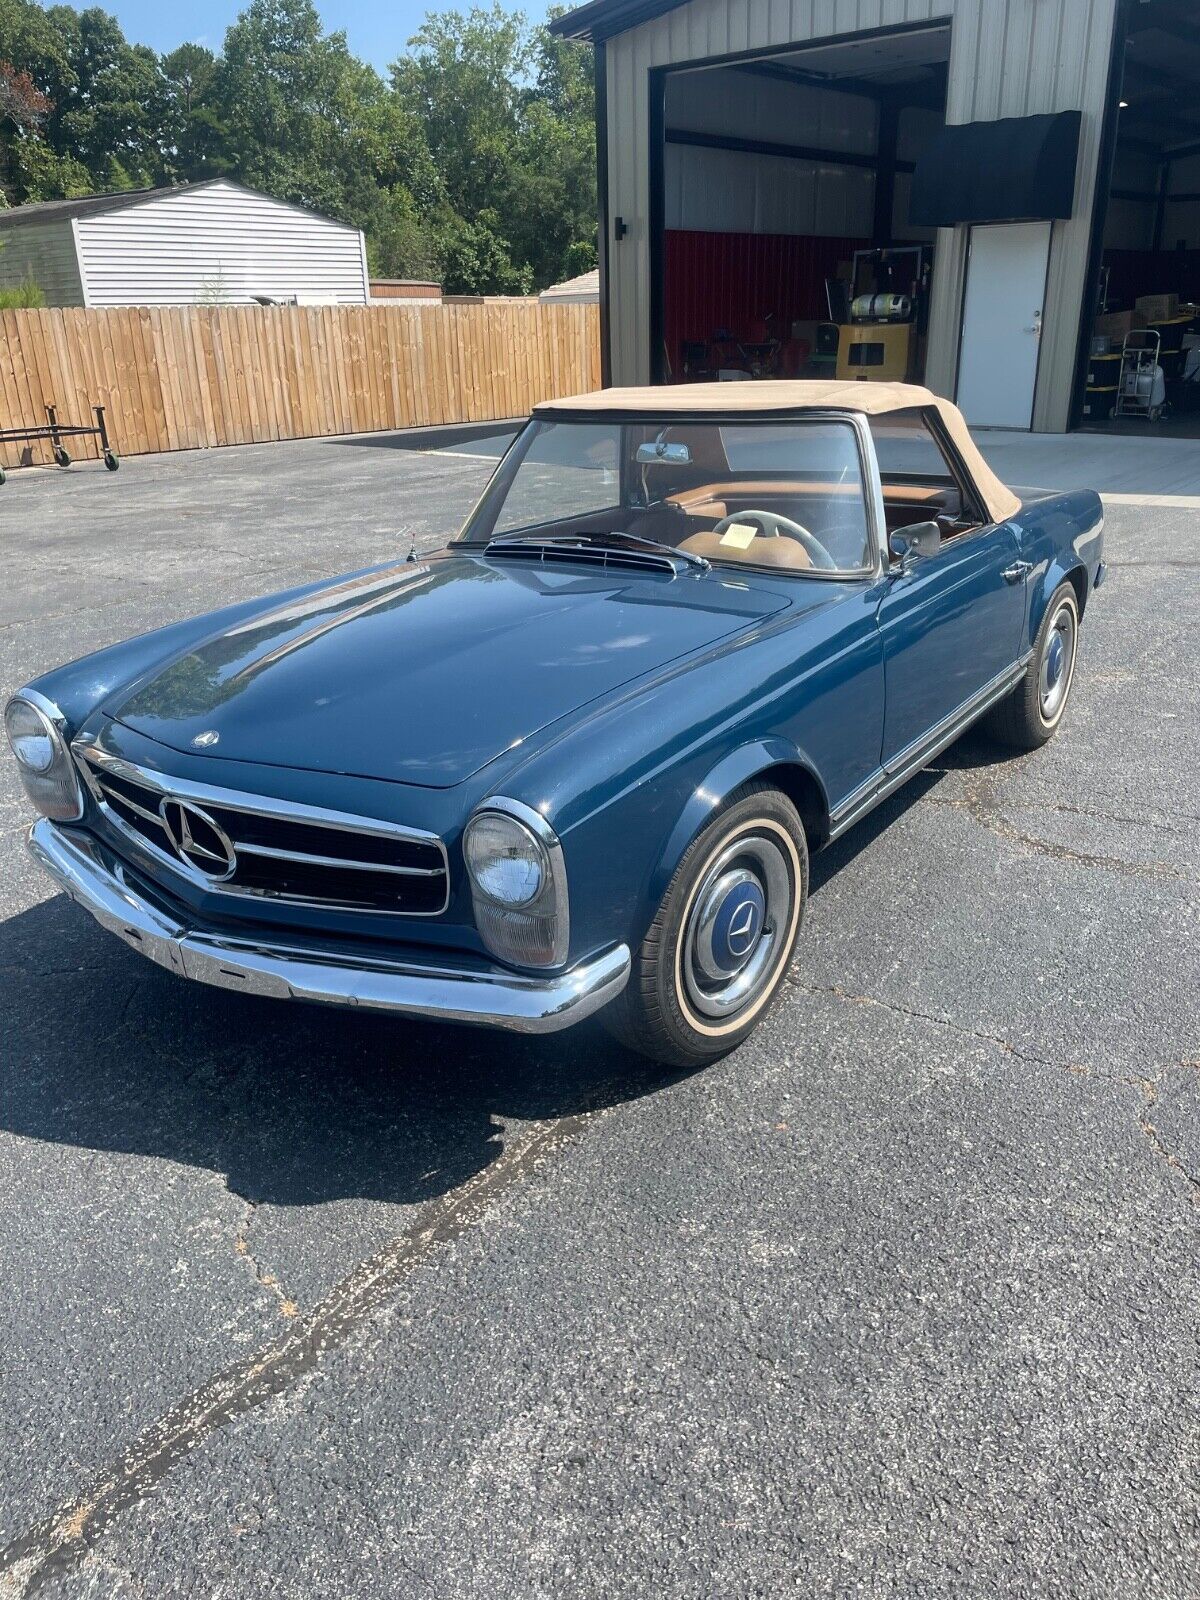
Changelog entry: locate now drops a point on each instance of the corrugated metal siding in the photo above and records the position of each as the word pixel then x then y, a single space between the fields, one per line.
pixel 47 250
pixel 1008 58
pixel 218 243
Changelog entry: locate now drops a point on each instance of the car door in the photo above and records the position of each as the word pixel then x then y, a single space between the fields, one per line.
pixel 951 623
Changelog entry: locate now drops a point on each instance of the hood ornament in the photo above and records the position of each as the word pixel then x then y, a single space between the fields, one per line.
pixel 206 740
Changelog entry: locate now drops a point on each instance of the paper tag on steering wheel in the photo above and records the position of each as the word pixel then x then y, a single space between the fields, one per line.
pixel 739 535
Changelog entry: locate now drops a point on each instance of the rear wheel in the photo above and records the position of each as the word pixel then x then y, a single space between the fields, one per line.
pixel 715 955
pixel 1028 717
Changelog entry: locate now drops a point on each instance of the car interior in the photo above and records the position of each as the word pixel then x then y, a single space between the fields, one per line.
pixel 763 520
pixel 717 491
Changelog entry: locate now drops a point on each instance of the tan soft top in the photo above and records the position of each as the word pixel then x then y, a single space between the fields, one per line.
pixel 772 395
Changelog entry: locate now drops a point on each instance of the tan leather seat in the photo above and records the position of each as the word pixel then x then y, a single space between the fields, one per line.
pixel 760 552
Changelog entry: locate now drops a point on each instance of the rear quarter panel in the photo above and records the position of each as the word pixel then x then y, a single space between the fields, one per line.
pixel 1061 534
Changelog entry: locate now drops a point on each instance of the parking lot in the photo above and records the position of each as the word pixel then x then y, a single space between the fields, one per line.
pixel 898 1300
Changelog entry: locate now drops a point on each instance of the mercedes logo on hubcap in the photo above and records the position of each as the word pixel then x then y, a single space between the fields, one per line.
pixel 743 926
pixel 199 842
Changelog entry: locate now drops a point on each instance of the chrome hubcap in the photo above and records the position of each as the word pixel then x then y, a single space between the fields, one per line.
pixel 1057 660
pixel 733 930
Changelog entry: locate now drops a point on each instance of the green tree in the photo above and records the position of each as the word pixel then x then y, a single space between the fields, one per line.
pixel 475 160
pixel 192 135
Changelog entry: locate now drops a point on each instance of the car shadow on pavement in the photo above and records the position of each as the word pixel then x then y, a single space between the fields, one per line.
pixel 293 1105
pixel 297 1104
pixel 974 750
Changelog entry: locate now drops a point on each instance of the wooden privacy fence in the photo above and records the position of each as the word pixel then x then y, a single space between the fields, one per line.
pixel 180 378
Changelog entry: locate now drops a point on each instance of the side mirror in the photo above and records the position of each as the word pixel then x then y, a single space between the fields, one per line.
pixel 913 543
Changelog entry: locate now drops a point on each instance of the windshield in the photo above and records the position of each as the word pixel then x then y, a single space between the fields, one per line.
pixel 787 495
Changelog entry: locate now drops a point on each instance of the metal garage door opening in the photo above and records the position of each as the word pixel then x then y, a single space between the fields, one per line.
pixel 781 244
pixel 1144 338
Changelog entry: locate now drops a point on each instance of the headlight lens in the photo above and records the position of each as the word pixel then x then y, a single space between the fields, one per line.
pixel 44 763
pixel 518 884
pixel 506 862
pixel 30 735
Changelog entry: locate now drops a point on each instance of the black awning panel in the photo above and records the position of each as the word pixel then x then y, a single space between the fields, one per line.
pixel 1019 169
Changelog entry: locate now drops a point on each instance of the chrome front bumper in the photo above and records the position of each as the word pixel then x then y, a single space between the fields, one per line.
pixel 453 990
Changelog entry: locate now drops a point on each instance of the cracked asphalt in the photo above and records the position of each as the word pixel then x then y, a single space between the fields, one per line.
pixel 899 1300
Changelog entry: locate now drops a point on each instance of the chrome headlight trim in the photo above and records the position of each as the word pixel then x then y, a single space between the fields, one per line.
pixel 498 922
pixel 62 769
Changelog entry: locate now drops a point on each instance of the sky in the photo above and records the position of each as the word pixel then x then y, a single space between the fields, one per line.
pixel 376 30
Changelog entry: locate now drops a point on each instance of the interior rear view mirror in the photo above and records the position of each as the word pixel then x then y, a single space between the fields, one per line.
pixel 914 542
pixel 676 455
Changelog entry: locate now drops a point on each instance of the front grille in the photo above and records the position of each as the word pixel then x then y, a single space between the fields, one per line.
pixel 291 853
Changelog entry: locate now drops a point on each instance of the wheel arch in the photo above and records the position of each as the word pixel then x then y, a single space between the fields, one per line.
pixel 773 761
pixel 1060 571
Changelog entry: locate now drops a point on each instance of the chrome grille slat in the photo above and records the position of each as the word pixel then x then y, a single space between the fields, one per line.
pixel 112 794
pixel 336 861
pixel 346 863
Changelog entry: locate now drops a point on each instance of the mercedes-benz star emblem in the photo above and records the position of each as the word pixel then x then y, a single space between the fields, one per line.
pixel 199 842
pixel 742 928
pixel 206 740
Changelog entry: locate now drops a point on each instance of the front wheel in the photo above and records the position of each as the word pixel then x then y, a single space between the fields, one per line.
pixel 716 953
pixel 1028 717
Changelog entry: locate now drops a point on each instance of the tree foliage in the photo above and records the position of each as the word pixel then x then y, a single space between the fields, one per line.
pixel 474 161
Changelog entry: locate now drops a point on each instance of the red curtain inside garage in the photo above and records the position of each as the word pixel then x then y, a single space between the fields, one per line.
pixel 732 283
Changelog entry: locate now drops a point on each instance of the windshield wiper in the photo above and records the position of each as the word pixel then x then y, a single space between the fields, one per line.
pixel 635 543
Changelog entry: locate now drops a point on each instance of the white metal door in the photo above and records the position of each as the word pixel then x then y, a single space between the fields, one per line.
pixel 1002 323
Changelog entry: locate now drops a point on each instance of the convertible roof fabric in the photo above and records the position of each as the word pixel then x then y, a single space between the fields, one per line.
pixel 773 397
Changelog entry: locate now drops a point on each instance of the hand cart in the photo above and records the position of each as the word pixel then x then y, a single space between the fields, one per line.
pixel 57 431
pixel 1141 388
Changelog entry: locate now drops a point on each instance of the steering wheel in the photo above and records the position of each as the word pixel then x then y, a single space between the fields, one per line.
pixel 771 525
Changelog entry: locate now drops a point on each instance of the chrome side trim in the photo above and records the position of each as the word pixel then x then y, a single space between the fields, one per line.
pixel 450 990
pixel 94 761
pixel 887 779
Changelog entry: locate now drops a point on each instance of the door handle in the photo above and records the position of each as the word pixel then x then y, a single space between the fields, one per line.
pixel 1017 571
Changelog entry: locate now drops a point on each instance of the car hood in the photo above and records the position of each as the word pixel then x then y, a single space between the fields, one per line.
pixel 422 673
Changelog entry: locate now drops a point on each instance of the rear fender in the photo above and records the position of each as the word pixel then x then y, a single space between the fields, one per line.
pixel 1062 569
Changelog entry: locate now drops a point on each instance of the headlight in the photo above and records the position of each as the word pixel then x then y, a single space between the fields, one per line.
pixel 518 884
pixel 36 731
pixel 506 862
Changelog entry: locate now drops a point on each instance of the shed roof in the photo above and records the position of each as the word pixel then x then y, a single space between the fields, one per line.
pixel 601 19
pixel 85 205
pixel 776 397
pixel 585 287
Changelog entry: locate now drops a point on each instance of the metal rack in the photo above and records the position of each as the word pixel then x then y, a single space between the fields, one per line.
pixel 57 431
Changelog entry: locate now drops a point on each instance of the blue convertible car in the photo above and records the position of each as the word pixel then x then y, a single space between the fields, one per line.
pixel 579 758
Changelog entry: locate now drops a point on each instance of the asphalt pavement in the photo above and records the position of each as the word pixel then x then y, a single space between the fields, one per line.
pixel 899 1300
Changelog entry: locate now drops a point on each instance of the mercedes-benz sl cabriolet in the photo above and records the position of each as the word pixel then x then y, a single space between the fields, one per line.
pixel 577 760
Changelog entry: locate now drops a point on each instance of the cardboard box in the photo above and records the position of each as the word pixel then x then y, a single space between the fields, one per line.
pixel 1157 307
pixel 1116 324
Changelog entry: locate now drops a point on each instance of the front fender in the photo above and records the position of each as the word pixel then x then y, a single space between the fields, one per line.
pixel 739 767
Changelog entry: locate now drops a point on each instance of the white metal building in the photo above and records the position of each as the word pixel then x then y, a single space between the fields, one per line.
pixel 748 149
pixel 213 242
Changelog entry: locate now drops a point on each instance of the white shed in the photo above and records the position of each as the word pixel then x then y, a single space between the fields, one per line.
pixel 213 242
pixel 581 291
